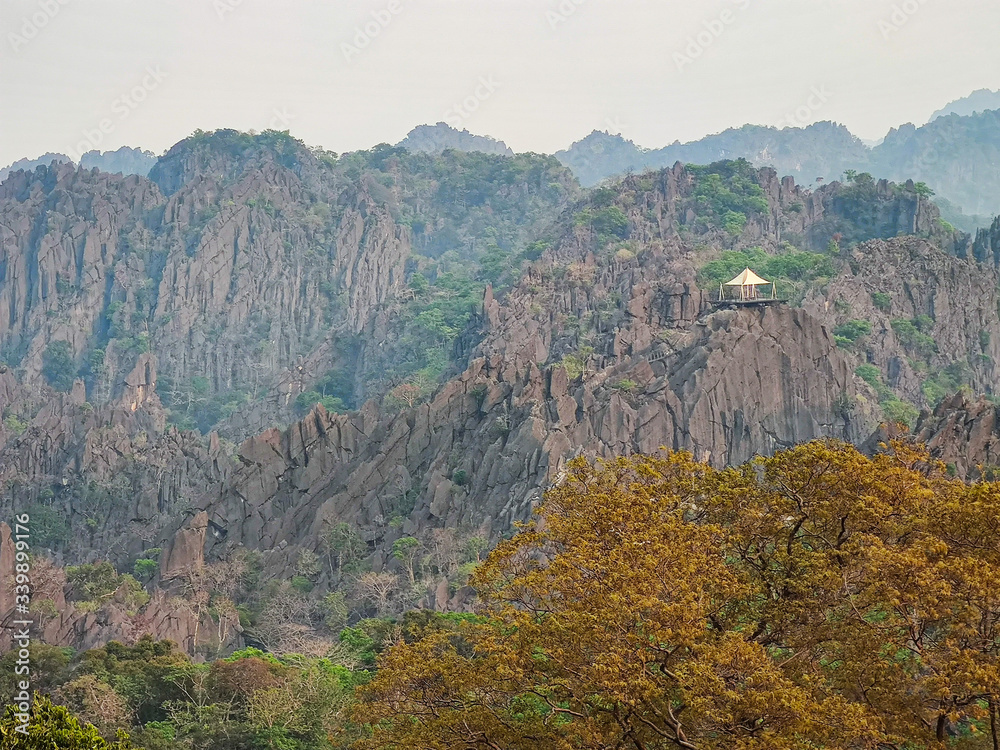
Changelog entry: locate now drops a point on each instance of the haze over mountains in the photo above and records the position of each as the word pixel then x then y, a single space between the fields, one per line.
pixel 274 397
pixel 124 160
pixel 978 101
pixel 254 341
pixel 522 375
pixel 951 153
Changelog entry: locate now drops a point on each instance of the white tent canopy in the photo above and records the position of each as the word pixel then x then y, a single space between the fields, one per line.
pixel 747 278
pixel 749 285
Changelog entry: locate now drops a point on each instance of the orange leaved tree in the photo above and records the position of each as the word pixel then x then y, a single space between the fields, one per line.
pixel 816 599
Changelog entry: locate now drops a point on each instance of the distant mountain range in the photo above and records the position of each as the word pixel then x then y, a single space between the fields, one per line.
pixel 124 161
pixel 956 153
pixel 822 150
pixel 982 100
pixel 441 137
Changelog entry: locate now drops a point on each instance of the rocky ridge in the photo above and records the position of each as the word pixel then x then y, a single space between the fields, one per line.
pixel 605 343
pixel 441 137
pixel 952 153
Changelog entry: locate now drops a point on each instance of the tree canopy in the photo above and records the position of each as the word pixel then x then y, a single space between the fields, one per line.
pixel 815 599
pixel 51 726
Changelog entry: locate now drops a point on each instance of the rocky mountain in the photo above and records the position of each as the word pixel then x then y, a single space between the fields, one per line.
pixel 978 101
pixel 249 266
pixel 386 345
pixel 29 165
pixel 824 149
pixel 601 155
pixel 125 161
pixel 441 137
pixel 955 154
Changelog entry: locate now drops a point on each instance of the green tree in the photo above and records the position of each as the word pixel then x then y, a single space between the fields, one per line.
pixel 611 221
pixel 58 365
pixel 335 611
pixel 93 582
pixel 52 727
pixel 406 550
pixel 343 544
pixel 144 569
pixel 847 334
pixel 882 301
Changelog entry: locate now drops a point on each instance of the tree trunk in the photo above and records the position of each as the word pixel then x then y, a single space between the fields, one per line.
pixel 993 723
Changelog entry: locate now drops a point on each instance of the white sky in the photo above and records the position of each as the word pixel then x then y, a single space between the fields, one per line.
pixel 607 64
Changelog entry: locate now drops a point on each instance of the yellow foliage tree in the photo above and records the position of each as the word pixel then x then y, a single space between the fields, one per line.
pixel 815 599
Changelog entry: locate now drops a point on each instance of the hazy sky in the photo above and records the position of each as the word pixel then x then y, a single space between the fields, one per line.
pixel 538 74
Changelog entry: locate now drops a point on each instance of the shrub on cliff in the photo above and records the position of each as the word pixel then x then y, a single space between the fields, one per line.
pixel 58 366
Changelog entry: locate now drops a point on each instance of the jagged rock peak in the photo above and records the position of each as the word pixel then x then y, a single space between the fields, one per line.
pixel 227 153
pixel 441 137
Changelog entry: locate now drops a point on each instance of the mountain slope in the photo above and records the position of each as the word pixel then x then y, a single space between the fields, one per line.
pixel 29 165
pixel 441 137
pixel 823 149
pixel 597 334
pixel 251 266
pixel 125 161
pixel 956 155
pixel 976 102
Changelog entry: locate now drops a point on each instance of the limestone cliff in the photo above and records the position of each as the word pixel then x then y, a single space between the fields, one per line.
pixel 237 264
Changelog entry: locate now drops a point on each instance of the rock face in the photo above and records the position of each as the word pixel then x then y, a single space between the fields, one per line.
pixel 965 434
pixel 441 137
pixel 108 478
pixel 63 622
pixel 986 247
pixel 119 265
pixel 741 383
pixel 56 275
pixel 235 264
pixel 248 265
pixel 906 279
pixel 666 371
pixel 185 553
pixel 124 161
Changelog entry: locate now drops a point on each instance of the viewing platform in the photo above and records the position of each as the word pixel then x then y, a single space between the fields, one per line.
pixel 762 302
pixel 747 290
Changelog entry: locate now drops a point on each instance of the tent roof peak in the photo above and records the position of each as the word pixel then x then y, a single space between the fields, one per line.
pixel 747 278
